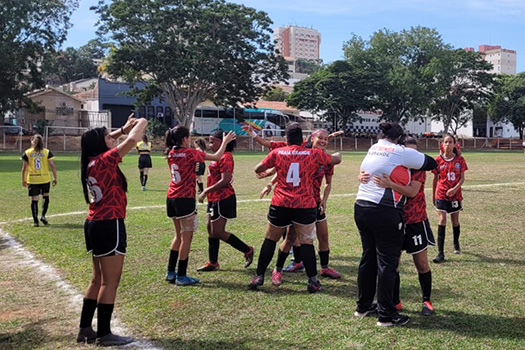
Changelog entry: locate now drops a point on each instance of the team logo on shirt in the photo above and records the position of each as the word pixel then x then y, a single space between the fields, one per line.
pixel 457 166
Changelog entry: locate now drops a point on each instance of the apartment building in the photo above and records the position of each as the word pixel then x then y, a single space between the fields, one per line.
pixel 297 42
pixel 503 60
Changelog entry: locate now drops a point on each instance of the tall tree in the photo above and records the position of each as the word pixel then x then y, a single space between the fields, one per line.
pixel 398 64
pixel 508 102
pixel 188 51
pixel 462 82
pixel 307 66
pixel 339 89
pixel 31 32
pixel 70 64
pixel 275 94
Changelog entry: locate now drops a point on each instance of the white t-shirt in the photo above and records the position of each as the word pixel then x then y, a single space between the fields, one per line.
pixel 386 157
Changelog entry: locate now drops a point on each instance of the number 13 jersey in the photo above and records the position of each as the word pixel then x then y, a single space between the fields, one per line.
pixel 449 172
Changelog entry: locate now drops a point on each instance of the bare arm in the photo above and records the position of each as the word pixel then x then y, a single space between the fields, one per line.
pixel 268 188
pixel 137 127
pixel 363 177
pixel 225 180
pixel 249 130
pixel 434 187
pixel 266 173
pixel 335 134
pixel 24 175
pixel 409 190
pixel 452 191
pixel 259 168
pixel 335 158
pixel 54 171
pixel 226 138
pixel 326 192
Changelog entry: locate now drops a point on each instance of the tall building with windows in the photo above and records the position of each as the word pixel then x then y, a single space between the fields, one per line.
pixel 503 60
pixel 297 42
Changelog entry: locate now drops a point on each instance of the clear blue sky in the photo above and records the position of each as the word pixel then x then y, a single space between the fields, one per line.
pixel 461 23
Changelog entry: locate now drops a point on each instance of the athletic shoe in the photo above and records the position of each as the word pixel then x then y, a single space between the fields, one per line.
pixel 143 188
pixel 248 257
pixel 44 220
pixel 35 224
pixel 428 309
pixel 86 335
pixel 361 313
pixel 186 280
pixel 313 287
pixel 256 282
pixel 399 306
pixel 171 276
pixel 439 258
pixel 457 249
pixel 113 340
pixel 277 278
pixel 208 267
pixel 294 267
pixel 330 273
pixel 397 320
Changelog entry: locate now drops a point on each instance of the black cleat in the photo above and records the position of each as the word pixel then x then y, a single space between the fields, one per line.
pixel 439 258
pixel 398 320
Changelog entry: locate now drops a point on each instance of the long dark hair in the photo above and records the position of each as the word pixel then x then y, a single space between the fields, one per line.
pixel 294 134
pixel 218 135
pixel 174 137
pixel 92 144
pixel 39 142
pixel 454 149
pixel 390 130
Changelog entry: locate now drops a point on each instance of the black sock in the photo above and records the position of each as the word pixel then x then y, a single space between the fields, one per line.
pixel 172 263
pixel 201 186
pixel 142 178
pixel 213 249
pixel 323 257
pixel 265 256
pixel 309 261
pixel 46 205
pixel 456 231
pixel 441 239
pixel 104 319
pixel 425 280
pixel 88 310
pixel 297 255
pixel 235 242
pixel 281 258
pixel 397 285
pixel 34 210
pixel 183 267
pixel 145 180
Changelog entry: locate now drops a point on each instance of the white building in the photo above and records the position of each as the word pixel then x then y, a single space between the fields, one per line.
pixel 297 42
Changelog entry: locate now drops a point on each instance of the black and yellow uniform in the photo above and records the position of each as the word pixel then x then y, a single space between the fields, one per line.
pixel 144 150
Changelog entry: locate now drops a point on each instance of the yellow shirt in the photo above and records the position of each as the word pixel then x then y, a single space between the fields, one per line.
pixel 37 171
pixel 143 146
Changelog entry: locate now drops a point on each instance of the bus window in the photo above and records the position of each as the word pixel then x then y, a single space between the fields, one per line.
pixel 209 113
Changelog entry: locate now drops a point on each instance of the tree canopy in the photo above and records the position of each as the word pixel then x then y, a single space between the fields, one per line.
pixel 508 102
pixel 188 51
pixel 31 32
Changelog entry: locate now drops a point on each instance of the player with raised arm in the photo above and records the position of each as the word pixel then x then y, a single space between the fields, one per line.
pixel 446 192
pixel 105 187
pixel 293 202
pixel 222 204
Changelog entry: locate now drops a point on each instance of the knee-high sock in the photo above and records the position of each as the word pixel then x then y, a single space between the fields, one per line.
pixel 297 254
pixel 142 178
pixel 104 319
pixel 88 310
pixel 172 262
pixel 309 261
pixel 281 258
pixel 145 180
pixel 235 242
pixel 46 205
pixel 183 267
pixel 34 210
pixel 456 231
pixel 425 281
pixel 265 256
pixel 324 257
pixel 213 249
pixel 441 239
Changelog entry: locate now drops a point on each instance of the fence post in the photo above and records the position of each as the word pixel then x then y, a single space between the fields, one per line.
pixel 474 143
pixel 510 143
pixel 355 142
pixel 426 143
pixel 498 144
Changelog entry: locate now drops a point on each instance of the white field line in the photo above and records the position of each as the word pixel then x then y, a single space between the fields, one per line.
pixel 502 184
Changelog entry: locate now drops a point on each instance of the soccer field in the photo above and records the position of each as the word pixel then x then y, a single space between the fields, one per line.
pixel 478 295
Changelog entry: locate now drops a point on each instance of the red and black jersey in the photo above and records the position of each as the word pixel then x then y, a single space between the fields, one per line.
pixel 296 167
pixel 416 208
pixel 108 197
pixel 322 171
pixel 182 162
pixel 449 172
pixel 215 169
pixel 280 144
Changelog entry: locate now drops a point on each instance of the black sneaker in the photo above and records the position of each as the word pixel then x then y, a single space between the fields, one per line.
pixel 113 340
pixel 36 224
pixel 313 287
pixel 249 257
pixel 439 258
pixel 86 335
pixel 370 311
pixel 397 320
pixel 457 249
pixel 44 220
pixel 256 282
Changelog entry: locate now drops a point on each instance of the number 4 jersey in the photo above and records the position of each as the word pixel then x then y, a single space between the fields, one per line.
pixel 449 172
pixel 182 162
pixel 296 167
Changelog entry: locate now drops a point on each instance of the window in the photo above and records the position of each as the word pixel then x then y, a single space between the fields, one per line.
pixel 160 112
pixel 210 113
pixel 167 111
pixel 151 112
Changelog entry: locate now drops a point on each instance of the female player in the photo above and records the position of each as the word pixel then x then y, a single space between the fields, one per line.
pixel 200 145
pixel 378 216
pixel 418 235
pixel 180 202
pixel 35 176
pixel 222 204
pixel 446 192
pixel 104 229
pixel 317 140
pixel 144 152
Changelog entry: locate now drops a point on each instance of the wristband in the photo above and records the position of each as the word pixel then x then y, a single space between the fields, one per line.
pixel 122 130
pixel 253 134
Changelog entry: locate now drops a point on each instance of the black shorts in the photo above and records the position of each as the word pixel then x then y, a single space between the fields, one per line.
pixel 105 237
pixel 226 209
pixel 448 206
pixel 320 217
pixel 284 217
pixel 418 236
pixel 177 208
pixel 201 167
pixel 38 189
pixel 145 161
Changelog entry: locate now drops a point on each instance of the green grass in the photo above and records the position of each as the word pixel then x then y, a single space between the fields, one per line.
pixel 478 295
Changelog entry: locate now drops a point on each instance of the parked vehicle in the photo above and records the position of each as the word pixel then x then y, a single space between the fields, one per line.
pixel 11 129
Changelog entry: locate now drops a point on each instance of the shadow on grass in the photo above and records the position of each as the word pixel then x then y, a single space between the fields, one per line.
pixel 70 226
pixel 490 260
pixel 483 326
pixel 32 336
pixel 180 344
